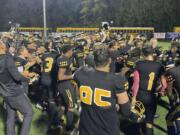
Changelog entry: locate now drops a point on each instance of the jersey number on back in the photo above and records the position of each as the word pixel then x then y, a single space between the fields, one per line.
pixel 87 95
pixel 151 80
pixel 49 64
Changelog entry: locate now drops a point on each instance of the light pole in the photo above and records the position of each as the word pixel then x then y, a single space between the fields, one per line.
pixel 44 19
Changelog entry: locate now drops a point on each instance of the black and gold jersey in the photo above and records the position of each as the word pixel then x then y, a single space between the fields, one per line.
pixel 149 74
pixel 65 62
pixel 79 58
pixel 48 62
pixel 48 74
pixel 97 92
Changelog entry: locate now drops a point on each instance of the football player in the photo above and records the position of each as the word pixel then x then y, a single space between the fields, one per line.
pixel 114 54
pixel 48 82
pixel 146 75
pixel 173 79
pixel 79 56
pixel 65 88
pixel 133 58
pixel 100 91
pixel 48 76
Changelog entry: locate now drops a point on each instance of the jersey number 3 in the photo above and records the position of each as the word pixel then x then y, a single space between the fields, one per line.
pixel 151 80
pixel 49 64
pixel 87 95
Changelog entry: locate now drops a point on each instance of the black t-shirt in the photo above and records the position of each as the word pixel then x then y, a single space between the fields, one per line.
pixel 174 74
pixel 98 98
pixel 149 73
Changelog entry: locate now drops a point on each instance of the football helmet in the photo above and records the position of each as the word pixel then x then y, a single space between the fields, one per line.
pixel 34 79
pixel 138 109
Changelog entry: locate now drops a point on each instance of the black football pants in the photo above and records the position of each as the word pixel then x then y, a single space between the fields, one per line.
pixel 68 95
pixel 22 104
pixel 150 103
pixel 47 89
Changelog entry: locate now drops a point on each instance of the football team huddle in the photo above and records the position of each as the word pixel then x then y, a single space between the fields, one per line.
pixel 91 82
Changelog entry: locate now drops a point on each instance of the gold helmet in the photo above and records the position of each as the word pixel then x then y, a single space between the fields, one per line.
pixel 138 109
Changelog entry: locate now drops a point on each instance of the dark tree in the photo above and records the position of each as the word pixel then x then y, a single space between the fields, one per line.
pixel 161 14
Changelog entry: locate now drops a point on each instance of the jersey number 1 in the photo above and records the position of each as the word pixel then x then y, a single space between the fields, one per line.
pixel 87 95
pixel 151 80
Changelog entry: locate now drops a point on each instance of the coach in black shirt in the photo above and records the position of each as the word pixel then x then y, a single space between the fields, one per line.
pixel 12 91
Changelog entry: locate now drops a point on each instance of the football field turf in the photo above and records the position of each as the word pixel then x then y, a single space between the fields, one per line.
pixel 39 124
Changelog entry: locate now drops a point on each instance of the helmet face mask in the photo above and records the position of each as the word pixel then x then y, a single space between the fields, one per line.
pixel 34 79
pixel 138 109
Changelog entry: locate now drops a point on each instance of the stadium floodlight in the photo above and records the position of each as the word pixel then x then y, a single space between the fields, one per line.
pixel 9 22
pixel 44 20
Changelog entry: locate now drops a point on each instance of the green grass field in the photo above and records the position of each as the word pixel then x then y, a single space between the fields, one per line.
pixel 39 126
pixel 164 45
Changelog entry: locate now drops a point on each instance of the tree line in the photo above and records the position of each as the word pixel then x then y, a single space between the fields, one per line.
pixel 161 14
